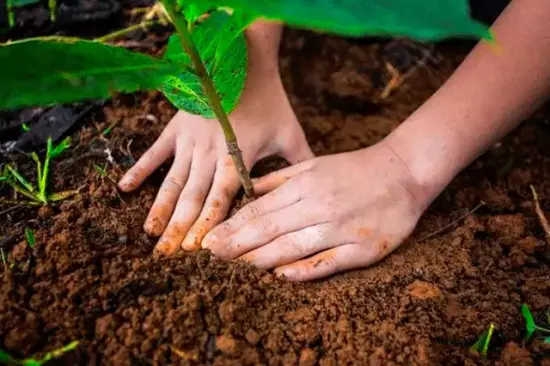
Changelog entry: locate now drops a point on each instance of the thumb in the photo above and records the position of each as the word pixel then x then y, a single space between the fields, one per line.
pixel 273 180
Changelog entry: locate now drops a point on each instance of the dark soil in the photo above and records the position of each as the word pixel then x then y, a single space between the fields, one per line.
pixel 91 275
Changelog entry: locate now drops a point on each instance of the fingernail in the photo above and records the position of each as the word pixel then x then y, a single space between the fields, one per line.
pixel 164 248
pixel 126 182
pixel 288 273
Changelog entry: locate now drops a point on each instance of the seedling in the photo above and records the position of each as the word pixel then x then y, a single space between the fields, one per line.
pixel 7 359
pixel 37 194
pixel 204 67
pixel 482 343
pixel 103 173
pixel 13 4
pixel 25 127
pixel 29 236
pixel 531 327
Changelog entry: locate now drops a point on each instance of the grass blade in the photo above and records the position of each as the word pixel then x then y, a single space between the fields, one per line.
pixel 38 163
pixel 60 196
pixel 530 325
pixel 482 343
pixel 24 182
pixel 29 236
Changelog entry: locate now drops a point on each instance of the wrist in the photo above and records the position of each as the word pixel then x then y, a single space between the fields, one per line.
pixel 429 160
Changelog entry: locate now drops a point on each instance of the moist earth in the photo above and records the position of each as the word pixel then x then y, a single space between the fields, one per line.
pixel 92 277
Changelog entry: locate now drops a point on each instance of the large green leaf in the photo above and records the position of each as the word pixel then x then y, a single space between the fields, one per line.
pixel 421 19
pixel 222 47
pixel 51 70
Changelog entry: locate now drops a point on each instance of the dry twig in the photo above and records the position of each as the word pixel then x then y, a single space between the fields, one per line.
pixel 542 218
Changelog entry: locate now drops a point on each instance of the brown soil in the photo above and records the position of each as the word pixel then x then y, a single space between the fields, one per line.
pixel 91 276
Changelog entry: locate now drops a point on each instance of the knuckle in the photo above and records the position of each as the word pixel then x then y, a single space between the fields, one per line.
pixel 172 184
pixel 252 209
pixel 266 225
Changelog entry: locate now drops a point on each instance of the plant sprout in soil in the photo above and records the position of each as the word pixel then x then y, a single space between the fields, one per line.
pixel 532 328
pixel 484 340
pixel 37 194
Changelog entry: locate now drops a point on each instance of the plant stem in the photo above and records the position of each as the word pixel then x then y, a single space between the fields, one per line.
pixel 122 32
pixel 210 91
pixel 11 15
pixel 52 4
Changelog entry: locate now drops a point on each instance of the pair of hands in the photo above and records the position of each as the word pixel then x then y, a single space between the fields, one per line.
pixel 318 217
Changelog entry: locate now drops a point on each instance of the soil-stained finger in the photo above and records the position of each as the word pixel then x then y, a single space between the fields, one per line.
pixel 168 194
pixel 189 204
pixel 265 228
pixel 224 187
pixel 294 246
pixel 217 239
pixel 324 264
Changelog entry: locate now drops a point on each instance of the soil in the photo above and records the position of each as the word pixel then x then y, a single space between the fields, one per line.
pixel 91 275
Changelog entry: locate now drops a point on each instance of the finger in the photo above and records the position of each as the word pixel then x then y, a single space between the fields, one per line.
pixel 189 203
pixel 168 194
pixel 157 154
pixel 224 188
pixel 329 262
pixel 273 180
pixel 282 197
pixel 291 247
pixel 263 229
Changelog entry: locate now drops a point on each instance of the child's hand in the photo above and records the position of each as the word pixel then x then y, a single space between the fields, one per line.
pixel 325 215
pixel 202 181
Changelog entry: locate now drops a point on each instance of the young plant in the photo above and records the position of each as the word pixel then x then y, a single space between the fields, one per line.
pixel 37 194
pixel 204 67
pixel 482 343
pixel 7 359
pixel 531 327
pixel 103 173
pixel 12 4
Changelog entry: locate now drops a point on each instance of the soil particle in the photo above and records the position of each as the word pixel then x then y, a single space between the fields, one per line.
pixel 514 355
pixel 423 290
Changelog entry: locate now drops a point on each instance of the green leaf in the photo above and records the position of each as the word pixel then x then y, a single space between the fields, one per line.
pixel 29 236
pixel 193 11
pixel 482 344
pixel 184 90
pixel 547 340
pixel 20 179
pixel 59 148
pixel 71 70
pixel 530 325
pixel 424 20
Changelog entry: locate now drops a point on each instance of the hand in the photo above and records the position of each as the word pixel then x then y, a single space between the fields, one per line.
pixel 324 215
pixel 196 194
